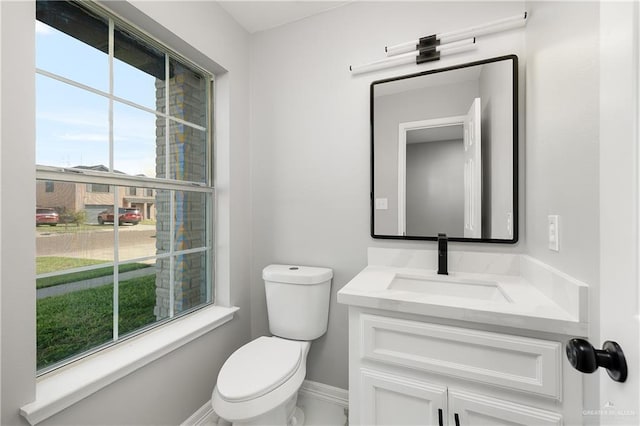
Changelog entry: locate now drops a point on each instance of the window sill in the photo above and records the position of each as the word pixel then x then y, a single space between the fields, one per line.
pixel 63 388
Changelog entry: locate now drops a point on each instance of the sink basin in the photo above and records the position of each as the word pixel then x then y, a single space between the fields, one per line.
pixel 450 287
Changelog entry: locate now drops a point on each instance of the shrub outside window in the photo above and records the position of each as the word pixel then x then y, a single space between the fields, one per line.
pixel 117 111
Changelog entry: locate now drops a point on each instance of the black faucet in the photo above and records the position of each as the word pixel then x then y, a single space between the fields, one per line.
pixel 442 254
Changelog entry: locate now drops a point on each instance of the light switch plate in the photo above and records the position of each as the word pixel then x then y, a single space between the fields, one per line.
pixel 554 232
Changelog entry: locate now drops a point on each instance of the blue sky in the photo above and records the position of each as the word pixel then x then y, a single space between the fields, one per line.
pixel 72 124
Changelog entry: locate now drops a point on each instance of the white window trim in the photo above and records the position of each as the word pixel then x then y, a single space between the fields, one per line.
pixel 62 388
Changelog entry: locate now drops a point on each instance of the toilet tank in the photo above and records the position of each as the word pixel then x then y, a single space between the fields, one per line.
pixel 297 300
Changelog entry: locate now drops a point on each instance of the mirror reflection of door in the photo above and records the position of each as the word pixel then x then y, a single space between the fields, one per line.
pixel 430 177
pixel 473 172
pixel 440 175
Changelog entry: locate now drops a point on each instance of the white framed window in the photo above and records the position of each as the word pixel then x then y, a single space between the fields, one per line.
pixel 115 111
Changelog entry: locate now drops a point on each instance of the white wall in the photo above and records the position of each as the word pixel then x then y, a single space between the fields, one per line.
pixel 310 142
pixel 17 253
pixel 562 149
pixel 562 111
pixel 169 390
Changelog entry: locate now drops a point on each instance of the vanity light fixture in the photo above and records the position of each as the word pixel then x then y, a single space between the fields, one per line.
pixel 424 52
pixel 432 47
pixel 477 30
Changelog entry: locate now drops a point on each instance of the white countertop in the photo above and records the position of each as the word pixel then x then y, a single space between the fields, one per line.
pixel 528 308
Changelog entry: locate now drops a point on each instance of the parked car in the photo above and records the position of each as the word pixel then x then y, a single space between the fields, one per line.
pixel 46 216
pixel 125 215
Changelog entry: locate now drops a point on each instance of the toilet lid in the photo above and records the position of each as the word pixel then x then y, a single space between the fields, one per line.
pixel 258 367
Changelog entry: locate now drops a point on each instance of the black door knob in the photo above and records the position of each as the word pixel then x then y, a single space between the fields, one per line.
pixel 584 357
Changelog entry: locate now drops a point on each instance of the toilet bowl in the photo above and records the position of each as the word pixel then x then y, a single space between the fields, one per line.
pixel 258 384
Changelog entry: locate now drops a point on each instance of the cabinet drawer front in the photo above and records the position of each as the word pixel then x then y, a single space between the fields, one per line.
pixel 522 363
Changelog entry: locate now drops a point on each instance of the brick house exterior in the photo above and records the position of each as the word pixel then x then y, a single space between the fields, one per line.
pixel 93 198
pixel 187 161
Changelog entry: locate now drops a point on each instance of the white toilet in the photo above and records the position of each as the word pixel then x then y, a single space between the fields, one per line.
pixel 258 384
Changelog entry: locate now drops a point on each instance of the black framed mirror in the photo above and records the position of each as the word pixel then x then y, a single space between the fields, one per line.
pixel 444 153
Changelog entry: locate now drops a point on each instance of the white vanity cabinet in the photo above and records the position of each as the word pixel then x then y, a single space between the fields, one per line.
pixel 387 399
pixel 409 370
pixel 467 408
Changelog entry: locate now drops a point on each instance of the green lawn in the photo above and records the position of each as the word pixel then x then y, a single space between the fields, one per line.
pixel 46 264
pixel 72 227
pixel 75 322
pixel 62 228
pixel 50 264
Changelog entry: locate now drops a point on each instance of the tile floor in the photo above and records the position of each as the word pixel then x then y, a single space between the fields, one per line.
pixel 317 413
pixel 321 413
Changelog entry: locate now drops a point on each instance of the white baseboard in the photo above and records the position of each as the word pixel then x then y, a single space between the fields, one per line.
pixel 326 393
pixel 309 389
pixel 203 416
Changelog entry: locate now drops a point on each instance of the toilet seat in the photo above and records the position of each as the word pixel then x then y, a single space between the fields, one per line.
pixel 272 395
pixel 257 368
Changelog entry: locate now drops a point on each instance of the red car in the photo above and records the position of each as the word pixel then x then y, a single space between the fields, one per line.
pixel 125 215
pixel 47 217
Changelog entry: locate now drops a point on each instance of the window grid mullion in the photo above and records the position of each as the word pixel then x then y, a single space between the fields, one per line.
pixel 116 190
pixel 82 176
pixel 127 261
pixel 116 264
pixel 117 98
pixel 167 168
pixel 210 230
pixel 172 228
pixel 167 123
pixel 111 46
pixel 212 199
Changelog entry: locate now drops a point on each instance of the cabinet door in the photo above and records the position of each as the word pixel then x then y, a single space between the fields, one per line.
pixel 389 399
pixel 469 409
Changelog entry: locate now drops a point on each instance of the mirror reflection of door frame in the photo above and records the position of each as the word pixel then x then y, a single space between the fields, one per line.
pixel 473 171
pixel 403 128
